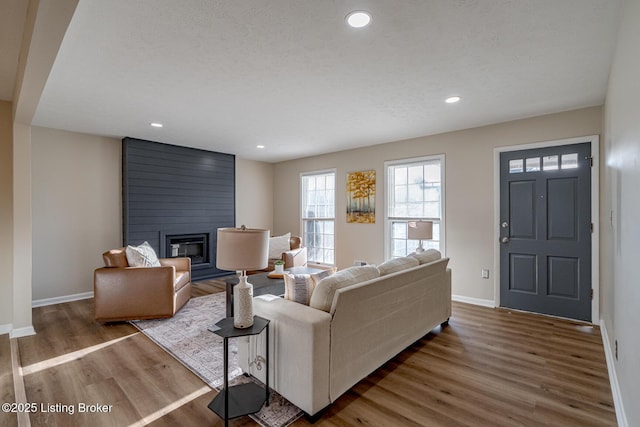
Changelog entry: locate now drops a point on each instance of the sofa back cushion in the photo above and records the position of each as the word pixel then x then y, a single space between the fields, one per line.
pixel 427 256
pixel 397 264
pixel 322 295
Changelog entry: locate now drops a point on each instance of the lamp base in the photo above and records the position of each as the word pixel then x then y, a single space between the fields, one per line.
pixel 243 304
pixel 419 249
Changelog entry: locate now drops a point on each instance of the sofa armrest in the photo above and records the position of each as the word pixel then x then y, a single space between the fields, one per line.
pixel 299 353
pixel 133 293
pixel 295 258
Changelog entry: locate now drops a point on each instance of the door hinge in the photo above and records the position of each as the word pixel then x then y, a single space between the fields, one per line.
pixel 591 293
pixel 590 158
pixel 591 227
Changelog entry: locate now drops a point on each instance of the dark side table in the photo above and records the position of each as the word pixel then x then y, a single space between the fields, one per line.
pixel 242 399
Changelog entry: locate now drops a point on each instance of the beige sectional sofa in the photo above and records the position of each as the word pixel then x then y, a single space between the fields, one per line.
pixel 318 355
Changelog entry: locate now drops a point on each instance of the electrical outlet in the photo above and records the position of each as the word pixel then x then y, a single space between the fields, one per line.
pixel 485 273
pixel 616 349
pixel 359 262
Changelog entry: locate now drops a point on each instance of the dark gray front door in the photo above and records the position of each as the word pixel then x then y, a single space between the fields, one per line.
pixel 545 230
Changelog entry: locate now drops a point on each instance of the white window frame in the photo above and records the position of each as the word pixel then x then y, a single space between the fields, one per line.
pixel 303 218
pixel 388 199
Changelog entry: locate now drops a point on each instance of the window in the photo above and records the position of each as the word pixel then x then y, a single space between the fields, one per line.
pixel 549 163
pixel 415 191
pixel 318 216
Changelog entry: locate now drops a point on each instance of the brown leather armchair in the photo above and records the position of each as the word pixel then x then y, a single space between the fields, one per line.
pixel 295 257
pixel 132 293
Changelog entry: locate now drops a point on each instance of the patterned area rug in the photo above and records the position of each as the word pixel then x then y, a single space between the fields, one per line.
pixel 186 338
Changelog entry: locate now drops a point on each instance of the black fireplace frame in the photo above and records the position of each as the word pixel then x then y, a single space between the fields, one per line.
pixel 166 241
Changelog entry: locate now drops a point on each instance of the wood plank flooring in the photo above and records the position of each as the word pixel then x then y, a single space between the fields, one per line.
pixel 488 367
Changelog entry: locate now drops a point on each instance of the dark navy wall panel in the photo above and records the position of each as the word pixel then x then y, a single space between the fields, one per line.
pixel 172 190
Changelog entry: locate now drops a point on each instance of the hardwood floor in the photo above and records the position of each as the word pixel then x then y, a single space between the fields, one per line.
pixel 488 367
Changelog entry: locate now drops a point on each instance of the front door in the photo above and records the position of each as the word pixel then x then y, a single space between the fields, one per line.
pixel 545 230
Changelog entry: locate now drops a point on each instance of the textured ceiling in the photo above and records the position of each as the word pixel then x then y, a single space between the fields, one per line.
pixel 290 75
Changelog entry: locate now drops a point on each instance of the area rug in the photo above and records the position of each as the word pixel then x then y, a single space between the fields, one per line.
pixel 186 338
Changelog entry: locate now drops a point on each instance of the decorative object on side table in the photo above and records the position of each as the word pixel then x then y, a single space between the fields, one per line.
pixel 420 230
pixel 278 272
pixel 243 399
pixel 242 249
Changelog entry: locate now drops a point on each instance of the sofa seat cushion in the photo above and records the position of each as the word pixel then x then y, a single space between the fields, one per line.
pixel 427 256
pixel 182 278
pixel 325 289
pixel 397 264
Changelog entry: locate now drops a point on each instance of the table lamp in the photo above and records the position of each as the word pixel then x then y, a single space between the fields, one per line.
pixel 420 230
pixel 242 249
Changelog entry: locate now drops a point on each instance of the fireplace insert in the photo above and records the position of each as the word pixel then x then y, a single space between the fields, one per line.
pixel 194 246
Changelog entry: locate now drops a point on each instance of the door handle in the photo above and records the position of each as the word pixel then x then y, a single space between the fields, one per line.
pixel 504 239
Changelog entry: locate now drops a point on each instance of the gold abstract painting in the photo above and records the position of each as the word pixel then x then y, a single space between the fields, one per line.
pixel 361 197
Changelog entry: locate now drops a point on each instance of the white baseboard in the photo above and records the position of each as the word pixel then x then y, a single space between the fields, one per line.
pixel 613 377
pixel 5 329
pixel 22 332
pixel 475 301
pixel 60 300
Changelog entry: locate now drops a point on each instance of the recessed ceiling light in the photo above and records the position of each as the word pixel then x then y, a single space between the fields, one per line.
pixel 260 146
pixel 358 19
pixel 156 125
pixel 452 99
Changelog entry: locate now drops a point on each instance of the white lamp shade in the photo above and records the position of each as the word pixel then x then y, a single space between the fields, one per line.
pixel 420 230
pixel 242 249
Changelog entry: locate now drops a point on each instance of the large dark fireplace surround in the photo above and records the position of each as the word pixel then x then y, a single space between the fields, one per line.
pixel 176 198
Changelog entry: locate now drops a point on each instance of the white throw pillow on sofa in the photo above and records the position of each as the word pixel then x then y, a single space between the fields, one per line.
pixel 278 245
pixel 142 256
pixel 299 287
pixel 322 296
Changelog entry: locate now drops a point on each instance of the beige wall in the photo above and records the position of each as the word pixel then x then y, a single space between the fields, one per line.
pixel 254 194
pixel 22 229
pixel 77 209
pixel 469 190
pixel 621 211
pixel 6 213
